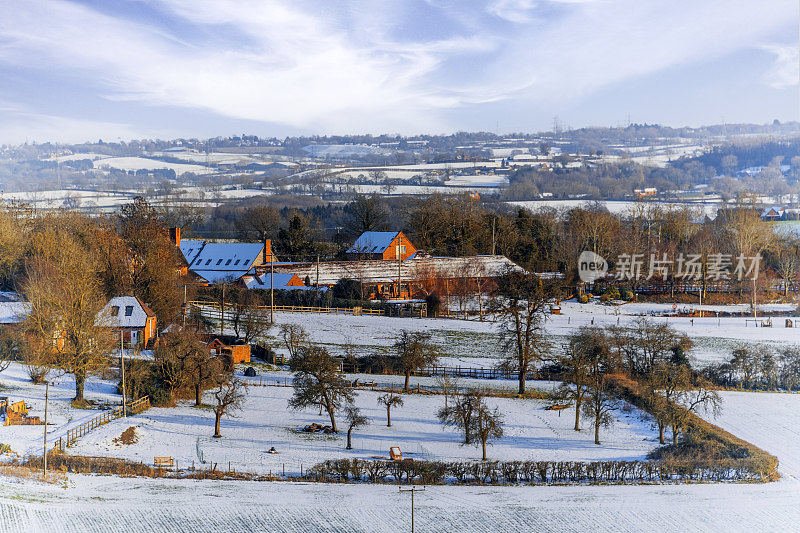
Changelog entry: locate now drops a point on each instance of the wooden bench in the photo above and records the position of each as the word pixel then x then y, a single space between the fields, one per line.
pixel 164 462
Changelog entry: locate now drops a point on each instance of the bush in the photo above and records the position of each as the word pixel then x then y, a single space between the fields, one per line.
pixel 626 293
pixel 433 303
pixel 583 298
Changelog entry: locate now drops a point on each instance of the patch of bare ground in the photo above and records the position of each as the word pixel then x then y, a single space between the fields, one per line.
pixel 127 438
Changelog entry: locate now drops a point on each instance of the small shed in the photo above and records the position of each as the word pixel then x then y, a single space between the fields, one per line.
pixel 236 353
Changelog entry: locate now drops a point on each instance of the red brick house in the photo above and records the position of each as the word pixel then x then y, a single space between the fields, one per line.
pixel 385 245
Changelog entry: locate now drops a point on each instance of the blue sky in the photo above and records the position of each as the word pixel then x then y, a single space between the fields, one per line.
pixel 82 70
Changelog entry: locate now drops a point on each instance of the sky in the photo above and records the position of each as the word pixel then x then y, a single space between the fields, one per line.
pixel 73 71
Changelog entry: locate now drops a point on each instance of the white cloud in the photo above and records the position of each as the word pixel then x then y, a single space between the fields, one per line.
pixel 364 65
pixel 785 70
pixel 17 125
pixel 512 10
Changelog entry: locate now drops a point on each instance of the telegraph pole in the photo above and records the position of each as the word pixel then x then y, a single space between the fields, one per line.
pixel 399 264
pixel 412 490
pixel 46 400
pixel 122 365
pixel 493 222
pixel 271 288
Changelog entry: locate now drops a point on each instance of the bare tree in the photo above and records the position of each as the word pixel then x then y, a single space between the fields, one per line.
pixel 259 223
pixel 576 363
pixel 65 325
pixel 470 413
pixel 449 385
pixel 460 412
pixel 700 396
pixel 354 420
pixel 229 394
pixel 415 352
pixel 390 400
pixel 487 425
pixel 599 403
pixel 521 302
pixel 317 382
pixel 294 338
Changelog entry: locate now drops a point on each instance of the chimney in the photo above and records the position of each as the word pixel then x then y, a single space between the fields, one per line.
pixel 175 236
pixel 267 251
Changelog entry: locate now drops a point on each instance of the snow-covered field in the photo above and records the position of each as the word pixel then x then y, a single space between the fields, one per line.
pixel 91 503
pixel 475 343
pixel 615 206
pixel 185 432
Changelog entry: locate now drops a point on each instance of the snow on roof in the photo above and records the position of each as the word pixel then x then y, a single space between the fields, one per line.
pixel 776 208
pixel 280 280
pixel 126 312
pixel 226 256
pixel 219 276
pixel 378 271
pixel 190 249
pixel 373 242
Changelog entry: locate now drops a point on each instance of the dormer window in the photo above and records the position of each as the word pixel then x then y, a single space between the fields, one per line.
pixel 114 310
pixel 128 310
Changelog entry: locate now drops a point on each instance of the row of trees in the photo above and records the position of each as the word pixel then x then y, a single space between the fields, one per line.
pixel 652 356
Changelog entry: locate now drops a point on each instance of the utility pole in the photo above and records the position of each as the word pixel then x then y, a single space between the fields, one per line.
pixel 493 222
pixel 317 284
pixel 46 401
pixel 222 312
pixel 271 289
pixel 399 264
pixel 185 309
pixel 122 365
pixel 412 490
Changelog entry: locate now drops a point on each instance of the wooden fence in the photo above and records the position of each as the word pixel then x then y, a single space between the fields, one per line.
pixel 137 406
pixel 214 308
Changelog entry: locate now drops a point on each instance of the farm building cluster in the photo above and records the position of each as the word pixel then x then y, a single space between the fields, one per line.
pixel 386 264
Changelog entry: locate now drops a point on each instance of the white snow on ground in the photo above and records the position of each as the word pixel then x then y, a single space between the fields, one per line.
pixel 94 503
pixel 142 163
pixel 475 343
pixel 616 206
pixel 532 432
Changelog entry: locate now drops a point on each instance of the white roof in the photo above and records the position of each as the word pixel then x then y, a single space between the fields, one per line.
pixel 373 242
pixel 125 312
pixel 220 261
pixel 380 271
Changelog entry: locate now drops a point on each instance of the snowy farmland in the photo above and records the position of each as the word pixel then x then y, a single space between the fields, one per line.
pixel 185 432
pixel 475 343
pixel 92 503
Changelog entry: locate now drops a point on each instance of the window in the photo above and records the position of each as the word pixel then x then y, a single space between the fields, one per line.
pixel 128 310
pixel 208 262
pixel 218 262
pixel 228 262
pixel 237 262
pixel 114 310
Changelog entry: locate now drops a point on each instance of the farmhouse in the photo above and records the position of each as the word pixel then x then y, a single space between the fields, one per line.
pixel 414 278
pixel 132 317
pixel 773 213
pixel 384 245
pixel 217 262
